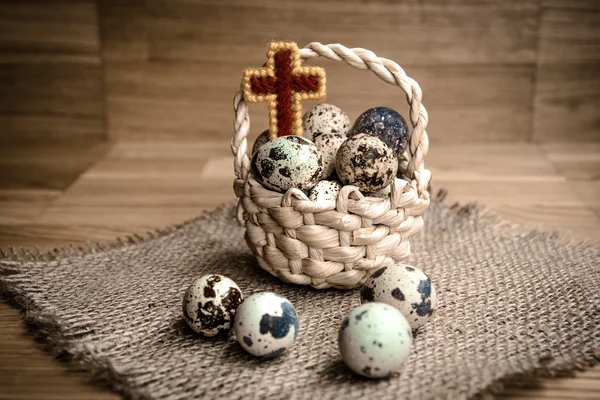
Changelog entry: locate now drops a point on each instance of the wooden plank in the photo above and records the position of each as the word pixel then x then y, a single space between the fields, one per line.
pixel 172 66
pixel 576 161
pixel 44 377
pixel 18 206
pixel 589 194
pixel 568 83
pixel 580 163
pixel 67 90
pixel 191 100
pixel 451 30
pixel 50 72
pixel 101 223
pixel 124 28
pixel 173 182
pixel 567 103
pixel 19 128
pixel 33 176
pixel 583 385
pixel 61 28
pixel 515 180
pixel 428 32
pixel 572 4
pixel 48 236
pixel 45 167
pixel 569 36
pixel 489 162
pixel 178 150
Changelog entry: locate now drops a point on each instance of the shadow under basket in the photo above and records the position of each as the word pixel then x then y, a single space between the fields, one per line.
pixel 337 243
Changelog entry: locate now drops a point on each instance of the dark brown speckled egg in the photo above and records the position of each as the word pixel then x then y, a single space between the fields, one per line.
pixel 366 162
pixel 210 303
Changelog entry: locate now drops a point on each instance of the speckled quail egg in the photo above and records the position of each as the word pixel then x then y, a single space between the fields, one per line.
pixel 328 145
pixel 325 190
pixel 287 162
pixel 210 303
pixel 384 123
pixel 323 119
pixel 404 287
pixel 381 193
pixel 260 140
pixel 367 162
pixel 375 340
pixel 385 192
pixel 266 324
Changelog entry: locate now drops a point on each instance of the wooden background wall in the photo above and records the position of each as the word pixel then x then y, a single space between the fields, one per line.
pixel 51 71
pixel 491 70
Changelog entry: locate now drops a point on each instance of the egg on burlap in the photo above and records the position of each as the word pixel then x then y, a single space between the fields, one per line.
pixel 325 190
pixel 325 119
pixel 404 287
pixel 366 162
pixel 328 145
pixel 266 324
pixel 375 340
pixel 210 303
pixel 288 162
pixel 384 123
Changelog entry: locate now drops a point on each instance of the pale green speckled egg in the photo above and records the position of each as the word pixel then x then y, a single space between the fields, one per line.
pixel 287 162
pixel 375 340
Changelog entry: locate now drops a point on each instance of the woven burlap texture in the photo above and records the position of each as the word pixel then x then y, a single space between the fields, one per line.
pixel 512 301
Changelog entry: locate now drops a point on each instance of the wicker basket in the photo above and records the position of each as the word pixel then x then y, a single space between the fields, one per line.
pixel 334 243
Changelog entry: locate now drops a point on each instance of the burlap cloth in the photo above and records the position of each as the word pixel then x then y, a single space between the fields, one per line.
pixel 512 301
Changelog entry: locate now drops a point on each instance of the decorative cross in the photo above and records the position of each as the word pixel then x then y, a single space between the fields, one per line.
pixel 283 84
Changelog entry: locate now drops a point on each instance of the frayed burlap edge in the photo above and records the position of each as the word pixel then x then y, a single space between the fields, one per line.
pixel 45 328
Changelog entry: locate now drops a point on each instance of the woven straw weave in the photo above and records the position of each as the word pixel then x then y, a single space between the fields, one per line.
pixel 512 301
pixel 335 243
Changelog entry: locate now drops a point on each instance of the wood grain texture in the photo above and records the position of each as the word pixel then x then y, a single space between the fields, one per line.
pixel 44 377
pixel 571 4
pixel 141 186
pixel 50 72
pixel 171 70
pixel 567 96
pixel 576 161
pixel 34 167
pixel 424 32
pixel 184 100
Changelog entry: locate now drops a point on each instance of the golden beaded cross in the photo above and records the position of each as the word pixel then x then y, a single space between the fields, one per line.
pixel 283 84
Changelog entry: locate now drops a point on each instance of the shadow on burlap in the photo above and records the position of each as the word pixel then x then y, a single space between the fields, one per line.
pixel 512 301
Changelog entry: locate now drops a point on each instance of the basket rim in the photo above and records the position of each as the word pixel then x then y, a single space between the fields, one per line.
pixel 388 71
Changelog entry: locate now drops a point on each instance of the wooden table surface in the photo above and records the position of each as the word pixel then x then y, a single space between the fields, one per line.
pixel 55 196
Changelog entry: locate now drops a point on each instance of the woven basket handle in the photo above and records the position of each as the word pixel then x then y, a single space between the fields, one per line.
pixel 386 70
